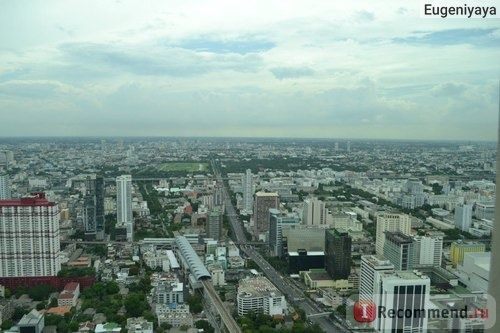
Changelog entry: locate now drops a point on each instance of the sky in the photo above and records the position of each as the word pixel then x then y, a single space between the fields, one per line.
pixel 312 69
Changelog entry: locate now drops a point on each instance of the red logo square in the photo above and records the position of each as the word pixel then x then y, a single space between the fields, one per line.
pixel 365 311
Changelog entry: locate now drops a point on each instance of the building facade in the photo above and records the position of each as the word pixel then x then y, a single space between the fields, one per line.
pixel 338 254
pixel 29 237
pixel 258 294
pixel 247 184
pixel 276 223
pixel 390 222
pixel 371 268
pixel 263 202
pixel 398 249
pixel 4 187
pixel 93 208
pixel 314 212
pixel 214 224
pixel 124 204
pixel 459 249
pixel 463 217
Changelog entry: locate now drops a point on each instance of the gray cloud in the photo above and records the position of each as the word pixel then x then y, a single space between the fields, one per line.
pixel 291 72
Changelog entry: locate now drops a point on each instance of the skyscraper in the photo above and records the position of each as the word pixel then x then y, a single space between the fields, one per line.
pixel 314 212
pixel 463 217
pixel 29 237
pixel 248 191
pixel 4 187
pixel 93 208
pixel 214 224
pixel 276 223
pixel 338 254
pixel 263 202
pixel 398 249
pixel 124 204
pixel 371 268
pixel 390 222
pixel 405 293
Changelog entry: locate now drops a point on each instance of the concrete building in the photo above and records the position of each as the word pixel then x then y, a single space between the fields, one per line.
pixel 29 237
pixel 459 249
pixel 247 185
pixel 371 268
pixel 139 325
pixel 463 217
pixel 69 295
pixel 483 210
pixel 277 221
pixel 398 249
pixel 167 292
pixel 263 202
pixel 406 291
pixel 124 204
pixel 338 254
pixel 32 322
pixel 258 294
pixel 390 222
pixel 314 212
pixel 5 187
pixel 300 237
pixel 475 271
pixel 428 250
pixel 176 316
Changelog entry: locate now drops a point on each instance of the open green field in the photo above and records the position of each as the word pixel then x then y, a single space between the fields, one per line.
pixel 181 166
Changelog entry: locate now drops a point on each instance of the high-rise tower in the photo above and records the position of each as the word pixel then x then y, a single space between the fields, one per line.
pixel 247 184
pixel 29 237
pixel 124 204
pixel 390 222
pixel 4 187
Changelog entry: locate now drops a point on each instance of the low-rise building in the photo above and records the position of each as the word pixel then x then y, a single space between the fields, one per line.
pixel 258 294
pixel 69 295
pixel 175 315
pixel 139 325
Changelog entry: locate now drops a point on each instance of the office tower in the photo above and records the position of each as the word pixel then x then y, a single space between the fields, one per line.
pixel 336 146
pixel 263 202
pixel 276 223
pixel 29 237
pixel 390 222
pixel 218 197
pixel 214 224
pixel 371 268
pixel 248 191
pixel 124 204
pixel 99 207
pixel 463 217
pixel 428 250
pixel 4 187
pixel 406 293
pixel 348 148
pixel 459 249
pixel 314 212
pixel 338 254
pixel 398 249
pixel 93 208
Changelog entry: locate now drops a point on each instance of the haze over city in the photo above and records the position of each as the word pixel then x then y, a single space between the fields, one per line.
pixel 236 68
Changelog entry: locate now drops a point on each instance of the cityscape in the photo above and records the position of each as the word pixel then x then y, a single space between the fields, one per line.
pixel 244 235
pixel 249 166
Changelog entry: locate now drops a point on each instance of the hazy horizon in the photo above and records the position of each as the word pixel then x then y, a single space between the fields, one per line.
pixel 294 69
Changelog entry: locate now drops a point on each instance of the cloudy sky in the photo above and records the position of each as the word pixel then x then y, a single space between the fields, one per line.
pixel 339 69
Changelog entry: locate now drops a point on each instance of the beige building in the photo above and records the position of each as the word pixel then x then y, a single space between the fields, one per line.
pixel 387 221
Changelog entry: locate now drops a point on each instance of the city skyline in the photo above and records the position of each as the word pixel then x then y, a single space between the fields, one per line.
pixel 235 69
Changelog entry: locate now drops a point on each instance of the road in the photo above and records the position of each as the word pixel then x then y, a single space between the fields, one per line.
pixel 289 289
